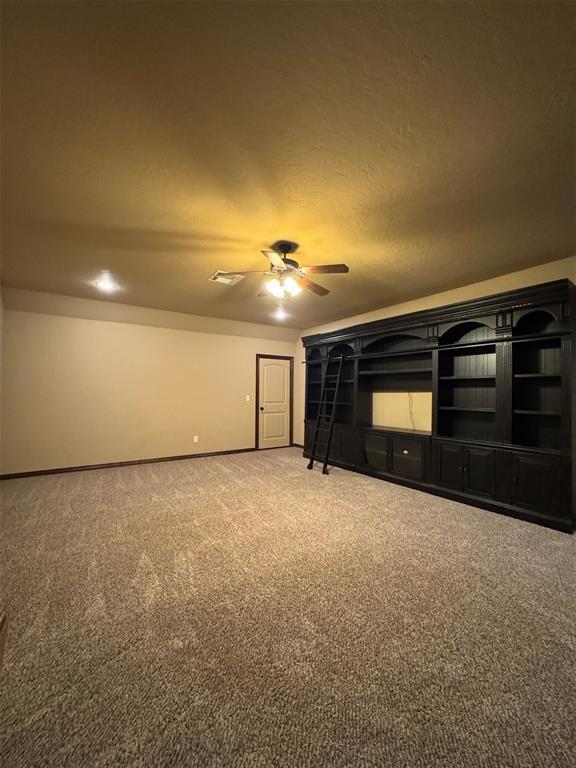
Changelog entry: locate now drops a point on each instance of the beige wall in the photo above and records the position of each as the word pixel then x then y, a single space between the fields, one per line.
pixel 87 382
pixel 81 390
pixel 554 270
pixel 1 368
pixel 402 410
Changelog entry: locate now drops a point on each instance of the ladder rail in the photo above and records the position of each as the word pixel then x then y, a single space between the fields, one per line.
pixel 323 414
pixel 333 417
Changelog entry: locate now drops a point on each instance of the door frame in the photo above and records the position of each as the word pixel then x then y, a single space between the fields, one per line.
pixel 257 398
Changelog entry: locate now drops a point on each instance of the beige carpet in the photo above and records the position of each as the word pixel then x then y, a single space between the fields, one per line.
pixel 241 611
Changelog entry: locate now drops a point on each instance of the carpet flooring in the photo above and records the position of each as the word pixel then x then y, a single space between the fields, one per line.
pixel 241 612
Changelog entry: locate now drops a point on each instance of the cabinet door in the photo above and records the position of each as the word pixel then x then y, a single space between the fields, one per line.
pixel 540 483
pixel 375 451
pixel 479 472
pixel 348 445
pixel 308 434
pixel 449 459
pixel 335 452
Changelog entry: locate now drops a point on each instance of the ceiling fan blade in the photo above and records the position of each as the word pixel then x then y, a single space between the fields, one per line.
pixel 327 268
pixel 252 272
pixel 275 259
pixel 319 290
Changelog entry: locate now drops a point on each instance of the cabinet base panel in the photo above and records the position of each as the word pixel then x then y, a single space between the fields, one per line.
pixel 556 523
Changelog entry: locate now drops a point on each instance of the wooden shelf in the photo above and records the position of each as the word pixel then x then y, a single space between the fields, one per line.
pixel 539 338
pixel 396 372
pixel 422 351
pixel 328 402
pixel 397 430
pixel 468 378
pixel 537 376
pixel 465 410
pixel 522 412
pixel 467 345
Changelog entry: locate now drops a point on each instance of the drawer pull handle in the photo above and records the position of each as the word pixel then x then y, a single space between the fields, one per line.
pixel 405 453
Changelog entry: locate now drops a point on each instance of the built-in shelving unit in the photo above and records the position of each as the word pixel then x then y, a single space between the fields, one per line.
pixel 498 375
pixel 467 385
pixel 537 392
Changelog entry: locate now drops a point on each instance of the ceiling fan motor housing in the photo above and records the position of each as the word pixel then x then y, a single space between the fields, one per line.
pixel 285 247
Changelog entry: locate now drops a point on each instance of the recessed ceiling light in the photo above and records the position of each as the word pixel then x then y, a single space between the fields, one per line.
pixel 280 314
pixel 106 282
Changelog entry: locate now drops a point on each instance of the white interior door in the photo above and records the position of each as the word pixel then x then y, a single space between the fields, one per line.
pixel 274 403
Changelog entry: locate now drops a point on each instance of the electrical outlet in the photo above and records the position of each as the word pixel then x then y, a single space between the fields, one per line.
pixel 195 438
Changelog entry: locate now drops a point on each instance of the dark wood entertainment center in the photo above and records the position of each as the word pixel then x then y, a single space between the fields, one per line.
pixel 503 426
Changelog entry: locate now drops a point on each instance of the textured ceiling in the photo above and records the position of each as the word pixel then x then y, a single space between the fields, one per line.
pixel 428 145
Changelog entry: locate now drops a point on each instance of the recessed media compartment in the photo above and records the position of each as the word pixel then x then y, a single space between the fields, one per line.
pixel 409 411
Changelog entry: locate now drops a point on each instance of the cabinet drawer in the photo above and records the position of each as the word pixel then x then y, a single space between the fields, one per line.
pixel 407 458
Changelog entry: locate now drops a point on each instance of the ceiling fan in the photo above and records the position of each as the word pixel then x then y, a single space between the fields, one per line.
pixel 288 277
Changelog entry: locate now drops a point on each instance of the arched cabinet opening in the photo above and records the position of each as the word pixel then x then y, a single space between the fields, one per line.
pixel 538 321
pixel 314 354
pixel 469 332
pixel 398 343
pixel 341 350
pixel 396 355
pixel 347 377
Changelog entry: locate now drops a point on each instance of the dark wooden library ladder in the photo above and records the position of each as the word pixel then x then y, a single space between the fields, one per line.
pixel 325 419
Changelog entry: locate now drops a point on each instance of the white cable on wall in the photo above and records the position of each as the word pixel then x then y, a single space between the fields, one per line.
pixel 411 410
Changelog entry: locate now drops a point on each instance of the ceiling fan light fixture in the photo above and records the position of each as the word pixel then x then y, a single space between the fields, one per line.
pixel 291 286
pixel 282 287
pixel 276 288
pixel 285 278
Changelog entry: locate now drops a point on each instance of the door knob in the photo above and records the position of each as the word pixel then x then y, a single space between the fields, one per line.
pixel 261 407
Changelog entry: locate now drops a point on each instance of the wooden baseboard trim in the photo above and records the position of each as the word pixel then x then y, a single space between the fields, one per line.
pixel 2 636
pixel 297 445
pixel 111 465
